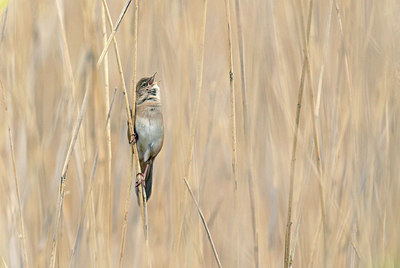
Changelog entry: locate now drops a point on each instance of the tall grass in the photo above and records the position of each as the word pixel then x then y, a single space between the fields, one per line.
pixel 344 204
pixel 12 151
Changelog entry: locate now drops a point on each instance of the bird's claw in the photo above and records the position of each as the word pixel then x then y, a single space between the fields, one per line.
pixel 133 139
pixel 141 181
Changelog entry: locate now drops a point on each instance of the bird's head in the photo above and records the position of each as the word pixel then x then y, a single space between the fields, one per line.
pixel 147 89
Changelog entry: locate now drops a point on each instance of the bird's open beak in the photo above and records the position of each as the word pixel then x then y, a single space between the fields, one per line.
pixel 152 78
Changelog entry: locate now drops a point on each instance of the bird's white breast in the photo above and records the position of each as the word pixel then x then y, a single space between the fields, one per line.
pixel 150 132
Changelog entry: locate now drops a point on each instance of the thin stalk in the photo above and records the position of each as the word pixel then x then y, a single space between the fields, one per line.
pixel 287 260
pixel 233 122
pixel 247 138
pixel 71 84
pixel 315 134
pixel 313 118
pixel 114 31
pixel 65 50
pixel 121 73
pixel 60 200
pixel 193 127
pixel 135 33
pixel 4 262
pixel 317 146
pixel 108 139
pixel 314 247
pixel 21 216
pixel 193 124
pixel 88 193
pixel 143 206
pixel 93 241
pixel 68 69
pixel 83 214
pixel 350 86
pixel 346 60
pixel 301 204
pixel 3 24
pixel 141 192
pixel 232 90
pixel 204 224
pixel 314 114
pixel 324 55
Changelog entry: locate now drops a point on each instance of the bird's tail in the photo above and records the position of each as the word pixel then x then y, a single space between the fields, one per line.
pixel 148 179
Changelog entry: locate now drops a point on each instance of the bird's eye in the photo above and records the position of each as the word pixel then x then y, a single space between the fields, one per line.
pixel 144 84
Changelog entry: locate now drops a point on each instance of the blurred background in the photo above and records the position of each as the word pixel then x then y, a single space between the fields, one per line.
pixel 48 58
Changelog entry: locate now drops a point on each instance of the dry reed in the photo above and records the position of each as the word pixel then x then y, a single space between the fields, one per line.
pixel 108 139
pixel 113 32
pixel 287 256
pixel 60 199
pixel 204 224
pixel 247 139
pixel 3 24
pixel 193 127
pixel 21 214
pixel 88 194
pixel 313 112
pixel 233 131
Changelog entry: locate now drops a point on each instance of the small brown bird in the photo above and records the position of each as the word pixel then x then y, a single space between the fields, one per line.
pixel 149 129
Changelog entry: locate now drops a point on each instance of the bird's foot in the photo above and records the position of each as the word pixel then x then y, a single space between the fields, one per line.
pixel 140 181
pixel 133 139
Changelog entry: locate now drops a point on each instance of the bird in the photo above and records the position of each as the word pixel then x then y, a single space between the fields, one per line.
pixel 149 130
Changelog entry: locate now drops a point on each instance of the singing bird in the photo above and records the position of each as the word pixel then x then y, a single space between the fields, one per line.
pixel 149 129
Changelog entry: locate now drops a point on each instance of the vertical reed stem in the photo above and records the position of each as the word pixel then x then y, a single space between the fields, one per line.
pixel 193 126
pixel 21 215
pixel 204 224
pixel 287 260
pixel 247 137
pixel 233 122
pixel 60 200
pixel 108 140
pixel 142 192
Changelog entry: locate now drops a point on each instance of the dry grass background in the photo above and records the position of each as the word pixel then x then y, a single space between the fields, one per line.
pixel 355 78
